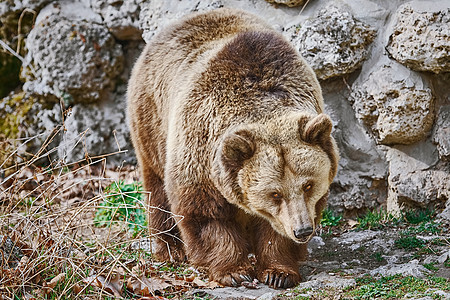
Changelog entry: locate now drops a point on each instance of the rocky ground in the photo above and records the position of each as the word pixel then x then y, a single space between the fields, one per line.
pixel 366 264
pixel 51 247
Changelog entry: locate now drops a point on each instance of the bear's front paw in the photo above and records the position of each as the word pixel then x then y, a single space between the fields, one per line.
pixel 276 278
pixel 232 276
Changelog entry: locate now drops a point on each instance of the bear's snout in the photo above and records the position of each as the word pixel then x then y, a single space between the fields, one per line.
pixel 303 232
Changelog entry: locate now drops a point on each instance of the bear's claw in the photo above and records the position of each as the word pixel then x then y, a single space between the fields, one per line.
pixel 246 278
pixel 279 279
pixel 234 278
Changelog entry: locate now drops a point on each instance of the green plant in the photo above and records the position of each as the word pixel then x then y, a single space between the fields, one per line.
pixel 409 243
pixel 330 219
pixel 123 203
pixel 378 256
pixel 374 219
pixel 396 287
pixel 418 216
pixel 431 266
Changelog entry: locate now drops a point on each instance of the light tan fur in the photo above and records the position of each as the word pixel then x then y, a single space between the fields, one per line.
pixel 224 114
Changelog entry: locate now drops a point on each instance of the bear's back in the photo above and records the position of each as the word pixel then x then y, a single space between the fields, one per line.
pixel 208 73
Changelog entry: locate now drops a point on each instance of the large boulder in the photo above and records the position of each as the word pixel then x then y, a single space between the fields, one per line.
pixel 334 43
pixel 394 103
pixel 74 58
pixel 420 37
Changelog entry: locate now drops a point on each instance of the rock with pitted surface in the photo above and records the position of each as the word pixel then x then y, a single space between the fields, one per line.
pixel 441 134
pixel 121 17
pixel 74 59
pixel 334 43
pixel 420 38
pixel 395 104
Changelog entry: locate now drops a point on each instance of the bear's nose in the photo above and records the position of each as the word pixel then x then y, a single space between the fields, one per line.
pixel 303 232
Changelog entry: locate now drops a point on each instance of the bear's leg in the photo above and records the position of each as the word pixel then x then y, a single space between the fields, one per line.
pixel 213 238
pixel 277 257
pixel 161 223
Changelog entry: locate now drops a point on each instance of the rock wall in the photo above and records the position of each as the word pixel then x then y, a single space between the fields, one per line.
pixel 384 68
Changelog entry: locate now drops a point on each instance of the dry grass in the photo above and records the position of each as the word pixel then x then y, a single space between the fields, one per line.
pixel 49 246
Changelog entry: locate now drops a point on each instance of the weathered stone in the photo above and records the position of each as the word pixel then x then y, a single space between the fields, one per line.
pixel 412 268
pixel 121 17
pixel 290 3
pixel 361 179
pixel 412 180
pixel 315 243
pixel 25 116
pixel 93 130
pixel 326 281
pixel 444 216
pixel 395 104
pixel 74 60
pixel 441 132
pixel 157 14
pixel 263 292
pixel 420 36
pixel 362 194
pixel 27 122
pixel 333 43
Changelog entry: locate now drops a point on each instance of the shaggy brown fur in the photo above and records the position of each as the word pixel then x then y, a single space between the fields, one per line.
pixel 226 119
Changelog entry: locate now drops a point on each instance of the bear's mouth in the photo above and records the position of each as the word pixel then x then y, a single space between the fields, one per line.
pixel 303 240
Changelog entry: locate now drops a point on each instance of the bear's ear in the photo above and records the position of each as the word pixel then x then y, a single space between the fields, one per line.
pixel 237 147
pixel 317 130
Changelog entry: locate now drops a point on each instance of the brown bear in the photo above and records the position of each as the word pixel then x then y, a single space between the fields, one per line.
pixel 227 122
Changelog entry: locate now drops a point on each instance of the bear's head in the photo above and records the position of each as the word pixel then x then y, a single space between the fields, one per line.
pixel 280 170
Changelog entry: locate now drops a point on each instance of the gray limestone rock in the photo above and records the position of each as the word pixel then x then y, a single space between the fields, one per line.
pixel 29 122
pixel 326 281
pixel 420 37
pixel 412 268
pixel 361 179
pixel 93 130
pixel 315 243
pixel 395 104
pixel 263 292
pixel 441 132
pixel 412 178
pixel 121 17
pixel 444 216
pixel 75 60
pixel 333 43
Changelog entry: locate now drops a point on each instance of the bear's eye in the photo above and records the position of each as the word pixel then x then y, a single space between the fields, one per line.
pixel 307 188
pixel 276 196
